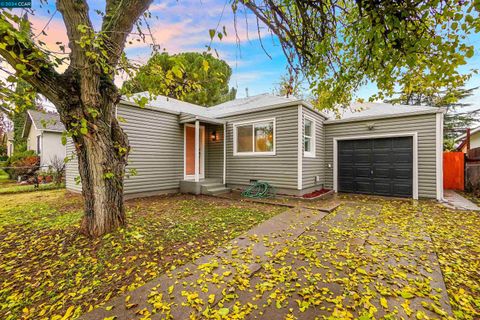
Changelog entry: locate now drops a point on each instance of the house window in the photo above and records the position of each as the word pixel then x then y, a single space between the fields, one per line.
pixel 39 144
pixel 255 138
pixel 308 137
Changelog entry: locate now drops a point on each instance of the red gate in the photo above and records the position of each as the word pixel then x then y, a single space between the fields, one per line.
pixel 454 170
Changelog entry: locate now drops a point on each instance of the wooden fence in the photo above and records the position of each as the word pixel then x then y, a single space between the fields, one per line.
pixel 472 170
pixel 454 170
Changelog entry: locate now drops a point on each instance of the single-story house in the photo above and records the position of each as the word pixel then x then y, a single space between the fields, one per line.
pixel 462 140
pixel 390 150
pixel 43 131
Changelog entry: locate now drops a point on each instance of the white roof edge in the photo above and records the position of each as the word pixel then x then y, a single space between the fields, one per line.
pixel 311 107
pixel 385 116
pixel 274 106
pixel 133 104
pixel 463 136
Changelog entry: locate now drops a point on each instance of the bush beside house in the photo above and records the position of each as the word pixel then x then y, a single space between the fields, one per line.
pixel 24 163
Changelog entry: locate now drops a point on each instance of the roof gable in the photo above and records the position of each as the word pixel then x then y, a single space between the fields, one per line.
pixel 43 121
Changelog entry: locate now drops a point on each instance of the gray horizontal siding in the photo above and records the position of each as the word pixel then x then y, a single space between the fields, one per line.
pixel 214 152
pixel 281 169
pixel 156 140
pixel 424 125
pixel 312 167
pixel 71 168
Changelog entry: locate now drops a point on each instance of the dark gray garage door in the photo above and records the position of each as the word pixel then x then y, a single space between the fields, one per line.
pixel 376 166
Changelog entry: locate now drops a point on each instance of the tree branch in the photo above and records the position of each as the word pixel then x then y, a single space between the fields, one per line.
pixel 29 62
pixel 75 14
pixel 120 17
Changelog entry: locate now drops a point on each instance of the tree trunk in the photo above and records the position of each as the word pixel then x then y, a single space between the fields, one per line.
pixel 102 155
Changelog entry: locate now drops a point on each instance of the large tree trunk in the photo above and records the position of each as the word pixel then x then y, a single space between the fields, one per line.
pixel 102 156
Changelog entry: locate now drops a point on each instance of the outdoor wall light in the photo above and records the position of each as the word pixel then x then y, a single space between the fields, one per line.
pixel 214 136
pixel 371 126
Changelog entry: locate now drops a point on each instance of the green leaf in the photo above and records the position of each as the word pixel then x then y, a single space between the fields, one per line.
pixel 212 33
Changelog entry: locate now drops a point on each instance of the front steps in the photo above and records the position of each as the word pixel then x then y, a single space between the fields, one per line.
pixel 207 186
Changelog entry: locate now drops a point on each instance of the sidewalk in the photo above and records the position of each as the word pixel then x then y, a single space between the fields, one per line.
pixel 457 201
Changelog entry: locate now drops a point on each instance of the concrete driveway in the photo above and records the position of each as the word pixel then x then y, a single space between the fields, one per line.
pixel 369 258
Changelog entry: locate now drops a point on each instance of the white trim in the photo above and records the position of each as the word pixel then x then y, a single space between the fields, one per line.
pixel 414 136
pixel 224 153
pixel 254 153
pixel 197 151
pixel 439 156
pixel 311 153
pixel 300 148
pixel 202 158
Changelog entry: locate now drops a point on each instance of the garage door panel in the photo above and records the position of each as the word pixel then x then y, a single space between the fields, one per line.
pixel 402 173
pixel 347 172
pixel 362 158
pixel 347 185
pixel 405 142
pixel 362 145
pixel 381 166
pixel 382 144
pixel 346 158
pixel 362 172
pixel 402 157
pixel 363 186
pixel 402 189
pixel 381 173
pixel 380 158
pixel 382 187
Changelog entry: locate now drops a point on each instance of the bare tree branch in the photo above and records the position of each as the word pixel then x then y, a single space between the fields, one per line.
pixel 120 17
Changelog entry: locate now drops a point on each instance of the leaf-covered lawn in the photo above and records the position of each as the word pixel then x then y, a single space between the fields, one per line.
pixel 48 271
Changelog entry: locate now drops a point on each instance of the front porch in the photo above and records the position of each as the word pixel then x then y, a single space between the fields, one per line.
pixel 204 155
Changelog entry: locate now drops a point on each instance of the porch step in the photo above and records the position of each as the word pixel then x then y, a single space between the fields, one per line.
pixel 217 191
pixel 214 188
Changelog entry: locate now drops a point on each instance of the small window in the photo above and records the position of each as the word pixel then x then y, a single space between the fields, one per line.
pixel 309 137
pixel 255 138
pixel 39 144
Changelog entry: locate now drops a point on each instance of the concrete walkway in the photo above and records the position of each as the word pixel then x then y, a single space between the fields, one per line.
pixel 457 201
pixel 302 264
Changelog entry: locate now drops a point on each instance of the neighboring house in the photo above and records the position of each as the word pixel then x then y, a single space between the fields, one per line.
pixel 177 146
pixel 44 136
pixel 7 141
pixel 474 140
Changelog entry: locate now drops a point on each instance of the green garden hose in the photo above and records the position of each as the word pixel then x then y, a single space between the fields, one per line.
pixel 259 190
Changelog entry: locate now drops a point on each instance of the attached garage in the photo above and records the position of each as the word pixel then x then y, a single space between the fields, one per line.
pixel 379 166
pixel 387 150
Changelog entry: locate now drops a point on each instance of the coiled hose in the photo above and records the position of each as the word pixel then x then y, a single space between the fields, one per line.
pixel 259 190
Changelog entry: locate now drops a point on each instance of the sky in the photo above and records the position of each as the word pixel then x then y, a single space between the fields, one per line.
pixel 183 25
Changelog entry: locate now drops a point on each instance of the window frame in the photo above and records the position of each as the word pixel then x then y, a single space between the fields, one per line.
pixel 312 152
pixel 252 123
pixel 39 144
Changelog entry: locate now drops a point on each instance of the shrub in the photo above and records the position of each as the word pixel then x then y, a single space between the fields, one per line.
pixel 57 168
pixel 22 163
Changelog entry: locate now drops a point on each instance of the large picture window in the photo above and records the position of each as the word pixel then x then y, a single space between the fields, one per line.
pixel 308 137
pixel 254 138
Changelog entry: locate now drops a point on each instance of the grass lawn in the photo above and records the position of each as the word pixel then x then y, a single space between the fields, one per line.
pixel 49 271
